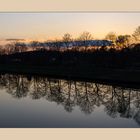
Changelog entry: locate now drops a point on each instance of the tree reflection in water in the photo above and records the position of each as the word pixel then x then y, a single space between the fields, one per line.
pixel 87 96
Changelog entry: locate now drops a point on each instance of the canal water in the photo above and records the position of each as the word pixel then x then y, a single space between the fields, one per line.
pixel 42 102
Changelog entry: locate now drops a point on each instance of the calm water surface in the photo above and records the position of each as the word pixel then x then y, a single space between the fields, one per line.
pixel 35 101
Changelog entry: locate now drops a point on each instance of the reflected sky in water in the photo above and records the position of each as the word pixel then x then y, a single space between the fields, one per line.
pixel 27 101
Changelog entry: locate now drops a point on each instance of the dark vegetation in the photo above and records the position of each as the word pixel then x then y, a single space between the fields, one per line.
pixel 125 58
pixel 107 66
pixel 114 59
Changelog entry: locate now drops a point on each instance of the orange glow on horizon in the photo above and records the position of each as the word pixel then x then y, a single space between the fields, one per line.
pixel 52 26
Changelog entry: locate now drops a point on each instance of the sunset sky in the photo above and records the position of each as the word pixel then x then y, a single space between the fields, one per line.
pixel 54 25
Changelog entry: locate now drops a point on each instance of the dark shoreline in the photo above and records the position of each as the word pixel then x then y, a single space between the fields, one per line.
pixel 116 77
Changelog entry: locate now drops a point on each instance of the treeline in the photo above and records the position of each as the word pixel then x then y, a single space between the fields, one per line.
pixel 55 45
pixel 115 52
pixel 125 58
pixel 85 42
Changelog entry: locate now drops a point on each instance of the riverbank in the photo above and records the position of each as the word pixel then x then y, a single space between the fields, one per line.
pixel 118 77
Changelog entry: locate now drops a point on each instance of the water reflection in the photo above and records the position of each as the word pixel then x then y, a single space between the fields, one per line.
pixel 117 101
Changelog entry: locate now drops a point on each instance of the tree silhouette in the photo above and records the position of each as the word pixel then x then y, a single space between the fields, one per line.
pixel 112 104
pixel 66 39
pixel 136 34
pixel 18 85
pixel 123 41
pixel 112 37
pixel 85 36
pixel 20 47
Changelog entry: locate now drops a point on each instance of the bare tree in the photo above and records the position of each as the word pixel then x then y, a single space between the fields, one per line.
pixel 111 36
pixel 136 34
pixel 85 36
pixel 66 39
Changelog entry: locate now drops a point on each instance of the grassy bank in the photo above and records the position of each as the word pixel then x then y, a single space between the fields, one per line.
pixel 120 77
pixel 109 67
